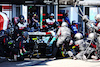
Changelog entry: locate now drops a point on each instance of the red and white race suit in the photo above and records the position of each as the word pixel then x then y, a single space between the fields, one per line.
pixel 50 22
pixel 22 26
pixel 97 27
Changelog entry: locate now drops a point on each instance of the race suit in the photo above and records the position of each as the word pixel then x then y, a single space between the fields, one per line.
pixel 63 33
pixel 20 27
pixel 97 27
pixel 82 46
pixel 50 24
pixel 89 28
pixel 19 42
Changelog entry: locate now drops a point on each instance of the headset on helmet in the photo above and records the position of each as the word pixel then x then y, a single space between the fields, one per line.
pixel 12 30
pixel 2 33
pixel 78 36
pixel 21 17
pixel 64 24
pixel 91 36
pixel 73 22
pixel 25 33
pixel 8 32
pixel 51 14
pixel 97 17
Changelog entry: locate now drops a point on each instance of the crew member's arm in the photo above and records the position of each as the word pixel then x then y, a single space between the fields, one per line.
pixel 58 33
pixel 45 24
pixel 96 28
pixel 35 20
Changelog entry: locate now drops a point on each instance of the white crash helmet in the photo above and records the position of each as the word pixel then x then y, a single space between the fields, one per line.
pixel 91 36
pixel 64 24
pixel 51 14
pixel 97 17
pixel 78 36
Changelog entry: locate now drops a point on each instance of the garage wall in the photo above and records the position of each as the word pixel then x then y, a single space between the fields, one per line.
pixel 72 14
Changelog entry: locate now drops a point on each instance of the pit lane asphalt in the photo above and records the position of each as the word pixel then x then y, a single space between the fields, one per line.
pixel 26 62
pixel 45 62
